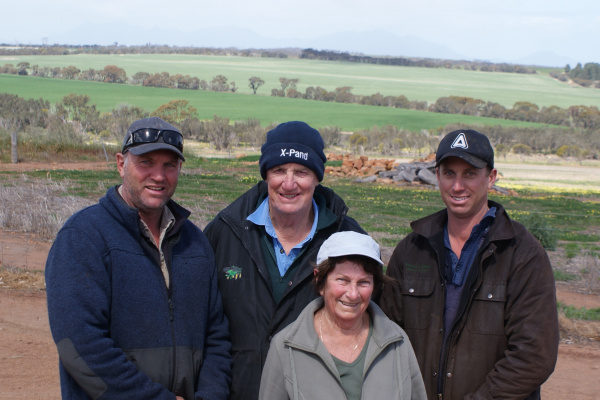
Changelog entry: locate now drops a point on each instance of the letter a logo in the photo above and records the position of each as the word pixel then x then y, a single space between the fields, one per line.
pixel 460 141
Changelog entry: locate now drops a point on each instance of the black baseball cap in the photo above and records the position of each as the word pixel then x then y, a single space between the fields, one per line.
pixel 468 145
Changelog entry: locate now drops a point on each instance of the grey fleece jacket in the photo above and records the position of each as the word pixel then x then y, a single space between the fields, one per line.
pixel 298 365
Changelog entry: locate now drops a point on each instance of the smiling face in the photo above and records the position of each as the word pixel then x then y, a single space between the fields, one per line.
pixel 347 293
pixel 291 187
pixel 149 180
pixel 464 188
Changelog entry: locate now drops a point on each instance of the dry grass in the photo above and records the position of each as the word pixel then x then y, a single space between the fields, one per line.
pixel 582 271
pixel 199 214
pixel 576 330
pixel 590 273
pixel 36 206
pixel 17 278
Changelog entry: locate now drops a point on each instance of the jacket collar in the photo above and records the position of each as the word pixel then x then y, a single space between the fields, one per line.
pixel 302 334
pixel 128 216
pixel 431 225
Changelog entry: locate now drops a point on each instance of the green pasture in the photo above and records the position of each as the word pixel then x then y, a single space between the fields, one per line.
pixel 423 84
pixel 237 107
pixel 207 185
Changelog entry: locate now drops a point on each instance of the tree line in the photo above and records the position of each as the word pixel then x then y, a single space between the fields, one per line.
pixel 117 49
pixel 58 49
pixel 587 117
pixel 73 120
pixel 149 48
pixel 327 55
pixel 587 75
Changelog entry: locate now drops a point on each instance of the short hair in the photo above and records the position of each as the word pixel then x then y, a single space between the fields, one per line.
pixel 488 168
pixel 369 265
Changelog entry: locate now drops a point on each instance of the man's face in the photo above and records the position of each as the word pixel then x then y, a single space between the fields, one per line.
pixel 149 180
pixel 291 187
pixel 464 188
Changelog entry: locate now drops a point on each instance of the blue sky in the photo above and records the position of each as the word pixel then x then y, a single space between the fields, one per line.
pixel 506 30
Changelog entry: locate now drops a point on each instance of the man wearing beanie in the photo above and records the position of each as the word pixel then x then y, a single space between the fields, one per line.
pixel 475 289
pixel 265 242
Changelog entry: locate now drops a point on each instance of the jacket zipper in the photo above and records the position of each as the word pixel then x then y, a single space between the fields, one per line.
pixel 171 306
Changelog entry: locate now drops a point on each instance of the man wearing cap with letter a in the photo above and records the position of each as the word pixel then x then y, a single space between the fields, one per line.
pixel 475 291
pixel 265 242
pixel 133 299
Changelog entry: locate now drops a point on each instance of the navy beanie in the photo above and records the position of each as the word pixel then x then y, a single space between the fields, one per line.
pixel 293 142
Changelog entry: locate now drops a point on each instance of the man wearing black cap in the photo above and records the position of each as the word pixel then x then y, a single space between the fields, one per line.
pixel 133 299
pixel 265 242
pixel 475 291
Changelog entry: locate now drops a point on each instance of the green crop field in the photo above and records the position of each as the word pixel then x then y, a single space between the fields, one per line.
pixel 235 106
pixel 424 84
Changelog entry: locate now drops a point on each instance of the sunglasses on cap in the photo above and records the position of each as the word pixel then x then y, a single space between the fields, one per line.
pixel 150 135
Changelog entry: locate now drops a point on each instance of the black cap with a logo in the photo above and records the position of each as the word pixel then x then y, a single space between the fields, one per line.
pixel 468 145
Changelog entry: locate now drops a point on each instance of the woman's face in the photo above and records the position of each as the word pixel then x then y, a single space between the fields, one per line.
pixel 347 292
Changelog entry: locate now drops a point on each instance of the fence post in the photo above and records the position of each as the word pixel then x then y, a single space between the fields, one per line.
pixel 14 156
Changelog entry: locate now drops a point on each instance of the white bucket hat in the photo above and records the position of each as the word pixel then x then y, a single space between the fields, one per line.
pixel 349 243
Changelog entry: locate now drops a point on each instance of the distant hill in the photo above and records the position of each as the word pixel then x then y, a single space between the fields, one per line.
pixel 371 42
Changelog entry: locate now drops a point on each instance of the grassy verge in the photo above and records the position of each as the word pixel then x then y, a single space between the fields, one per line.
pixel 582 313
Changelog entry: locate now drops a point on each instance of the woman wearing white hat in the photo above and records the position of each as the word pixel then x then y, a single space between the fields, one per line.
pixel 342 346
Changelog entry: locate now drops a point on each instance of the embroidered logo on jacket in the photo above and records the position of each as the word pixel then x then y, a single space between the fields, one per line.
pixel 232 272
pixel 417 267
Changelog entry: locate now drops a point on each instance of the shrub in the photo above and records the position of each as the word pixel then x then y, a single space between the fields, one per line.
pixel 569 151
pixel 541 229
pixel 522 149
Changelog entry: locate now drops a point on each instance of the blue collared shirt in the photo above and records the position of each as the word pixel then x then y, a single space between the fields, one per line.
pixel 261 216
pixel 458 269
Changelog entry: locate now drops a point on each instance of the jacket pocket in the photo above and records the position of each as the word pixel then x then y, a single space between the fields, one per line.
pixel 486 316
pixel 417 302
pixel 157 363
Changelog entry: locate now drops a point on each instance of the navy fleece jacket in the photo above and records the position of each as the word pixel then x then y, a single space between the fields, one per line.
pixel 120 332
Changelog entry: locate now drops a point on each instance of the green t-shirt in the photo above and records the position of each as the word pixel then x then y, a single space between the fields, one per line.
pixel 351 374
